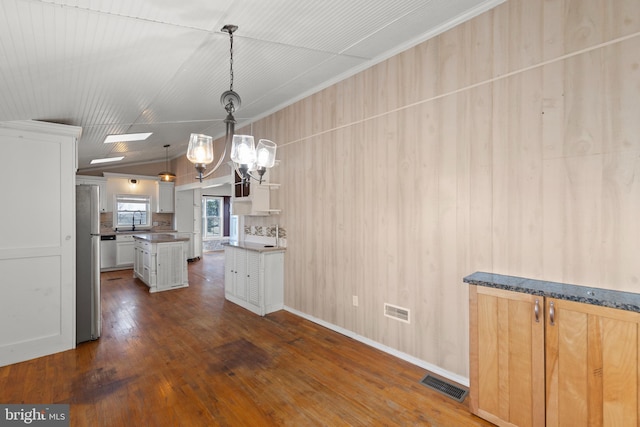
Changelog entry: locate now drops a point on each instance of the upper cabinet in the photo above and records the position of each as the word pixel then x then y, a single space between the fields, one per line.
pixel 164 197
pixel 160 193
pixel 101 182
pixel 254 198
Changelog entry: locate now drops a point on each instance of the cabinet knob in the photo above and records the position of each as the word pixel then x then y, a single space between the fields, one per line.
pixel 536 310
pixel 552 314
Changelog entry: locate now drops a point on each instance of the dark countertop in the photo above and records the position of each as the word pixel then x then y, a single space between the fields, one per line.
pixel 161 237
pixel 604 297
pixel 256 247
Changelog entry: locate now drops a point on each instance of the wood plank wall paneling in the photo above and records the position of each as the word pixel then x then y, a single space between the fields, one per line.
pixel 509 143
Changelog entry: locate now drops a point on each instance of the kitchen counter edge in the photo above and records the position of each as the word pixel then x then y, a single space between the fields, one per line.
pixel 255 247
pixel 161 237
pixel 628 301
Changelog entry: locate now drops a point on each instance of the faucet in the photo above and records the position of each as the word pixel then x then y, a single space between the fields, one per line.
pixel 133 220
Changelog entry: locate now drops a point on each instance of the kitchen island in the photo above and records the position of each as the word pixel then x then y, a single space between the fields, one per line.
pixel 160 260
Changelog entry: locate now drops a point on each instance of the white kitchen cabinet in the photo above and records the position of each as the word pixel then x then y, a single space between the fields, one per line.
pixel 124 250
pixel 161 263
pixel 164 197
pixel 254 200
pixel 138 254
pixel 37 256
pixel 101 182
pixel 254 279
pixel 188 219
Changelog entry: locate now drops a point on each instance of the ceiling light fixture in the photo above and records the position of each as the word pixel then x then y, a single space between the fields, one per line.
pixel 167 176
pixel 246 157
pixel 126 137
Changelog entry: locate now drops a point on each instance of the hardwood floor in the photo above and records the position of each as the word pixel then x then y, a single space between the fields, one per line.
pixel 188 357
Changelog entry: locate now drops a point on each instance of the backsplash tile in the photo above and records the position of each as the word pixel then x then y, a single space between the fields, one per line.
pixel 164 220
pixel 263 231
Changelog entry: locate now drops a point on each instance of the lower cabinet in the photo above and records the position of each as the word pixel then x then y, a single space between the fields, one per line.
pixel 161 266
pixel 537 361
pixel 124 254
pixel 254 280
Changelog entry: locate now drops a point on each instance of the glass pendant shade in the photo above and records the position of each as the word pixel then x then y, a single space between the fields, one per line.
pixel 167 176
pixel 266 153
pixel 200 149
pixel 243 150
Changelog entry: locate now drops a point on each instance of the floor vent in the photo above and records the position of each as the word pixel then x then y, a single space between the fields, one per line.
pixel 396 312
pixel 448 389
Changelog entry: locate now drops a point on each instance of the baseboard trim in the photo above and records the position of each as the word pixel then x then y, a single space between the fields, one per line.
pixel 392 351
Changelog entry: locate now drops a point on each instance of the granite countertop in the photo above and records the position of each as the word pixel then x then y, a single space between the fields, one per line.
pixel 607 298
pixel 256 247
pixel 161 237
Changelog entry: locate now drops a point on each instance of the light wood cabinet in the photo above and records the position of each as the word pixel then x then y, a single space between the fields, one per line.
pixel 592 358
pixel 254 280
pixel 538 361
pixel 507 357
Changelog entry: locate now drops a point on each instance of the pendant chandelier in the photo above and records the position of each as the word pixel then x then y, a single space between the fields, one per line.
pixel 167 176
pixel 248 160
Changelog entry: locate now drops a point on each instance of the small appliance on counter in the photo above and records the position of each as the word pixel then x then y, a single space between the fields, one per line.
pixel 88 321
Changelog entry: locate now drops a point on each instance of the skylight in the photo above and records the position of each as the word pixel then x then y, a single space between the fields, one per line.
pixel 107 160
pixel 126 137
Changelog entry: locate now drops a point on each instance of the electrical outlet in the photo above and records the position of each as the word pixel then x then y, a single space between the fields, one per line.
pixel 355 300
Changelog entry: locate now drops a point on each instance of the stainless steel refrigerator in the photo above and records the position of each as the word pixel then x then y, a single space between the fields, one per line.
pixel 88 321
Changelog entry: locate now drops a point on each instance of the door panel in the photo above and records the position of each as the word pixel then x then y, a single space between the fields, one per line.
pixel 592 365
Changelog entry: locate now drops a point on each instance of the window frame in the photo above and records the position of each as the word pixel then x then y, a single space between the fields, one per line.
pixel 205 234
pixel 140 198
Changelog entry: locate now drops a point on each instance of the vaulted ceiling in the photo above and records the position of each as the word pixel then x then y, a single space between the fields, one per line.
pixel 123 66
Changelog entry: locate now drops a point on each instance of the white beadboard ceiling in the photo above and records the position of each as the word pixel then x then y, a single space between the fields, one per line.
pixel 123 66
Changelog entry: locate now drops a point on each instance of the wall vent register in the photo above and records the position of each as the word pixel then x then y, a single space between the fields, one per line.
pixel 397 313
pixel 444 387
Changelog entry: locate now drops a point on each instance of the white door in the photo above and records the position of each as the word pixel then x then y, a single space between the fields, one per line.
pixel 37 248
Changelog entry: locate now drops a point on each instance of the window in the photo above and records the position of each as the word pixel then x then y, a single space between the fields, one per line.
pixel 133 210
pixel 212 212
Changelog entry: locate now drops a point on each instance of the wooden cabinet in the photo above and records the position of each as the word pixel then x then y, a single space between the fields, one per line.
pixel 506 357
pixel 592 357
pixel 254 280
pixel 165 202
pixel 538 361
pixel 101 182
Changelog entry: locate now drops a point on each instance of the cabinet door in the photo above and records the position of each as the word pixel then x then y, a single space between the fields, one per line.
pixel 592 365
pixel 170 259
pixel 507 357
pixel 254 294
pixel 124 253
pixel 165 197
pixel 136 261
pixel 241 274
pixel 229 271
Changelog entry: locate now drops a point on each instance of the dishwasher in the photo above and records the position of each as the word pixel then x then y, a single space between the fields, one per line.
pixel 107 252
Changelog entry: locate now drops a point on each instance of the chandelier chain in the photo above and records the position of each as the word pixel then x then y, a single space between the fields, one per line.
pixel 231 61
